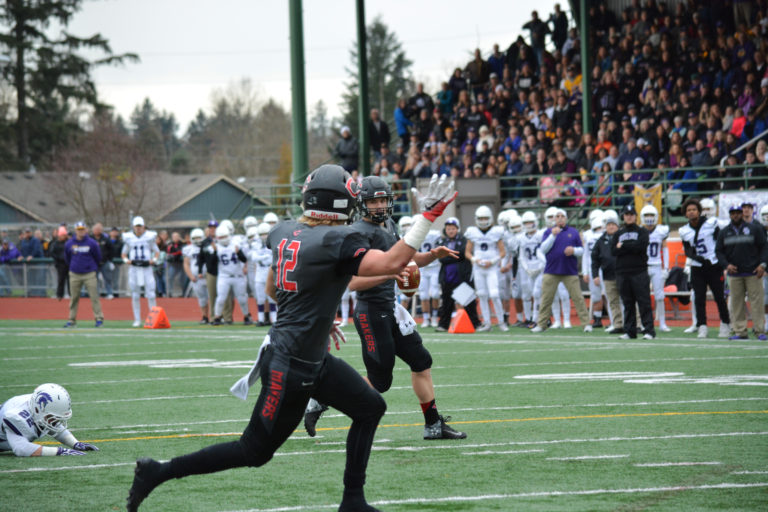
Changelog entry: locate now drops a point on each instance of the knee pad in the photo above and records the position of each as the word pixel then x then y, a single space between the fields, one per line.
pixel 659 296
pixel 417 357
pixel 494 295
pixel 381 382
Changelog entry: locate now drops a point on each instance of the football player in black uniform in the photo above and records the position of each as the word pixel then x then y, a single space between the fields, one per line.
pixel 314 259
pixel 376 320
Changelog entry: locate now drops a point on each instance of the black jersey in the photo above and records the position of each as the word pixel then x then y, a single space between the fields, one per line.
pixel 382 238
pixel 312 267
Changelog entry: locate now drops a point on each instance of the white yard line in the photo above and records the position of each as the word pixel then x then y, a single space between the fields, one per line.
pixel 67 468
pixel 589 457
pixel 507 452
pixel 672 464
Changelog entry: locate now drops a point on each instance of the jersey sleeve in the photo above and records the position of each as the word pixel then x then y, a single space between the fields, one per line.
pixel 353 248
pixel 15 429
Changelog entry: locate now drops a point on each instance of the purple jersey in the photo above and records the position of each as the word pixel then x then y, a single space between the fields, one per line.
pixel 557 262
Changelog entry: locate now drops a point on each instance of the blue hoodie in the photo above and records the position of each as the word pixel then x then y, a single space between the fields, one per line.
pixel 82 256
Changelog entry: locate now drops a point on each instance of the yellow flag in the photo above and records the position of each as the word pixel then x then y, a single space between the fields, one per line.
pixel 644 196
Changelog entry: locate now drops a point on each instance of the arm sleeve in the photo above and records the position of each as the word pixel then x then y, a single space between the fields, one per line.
pixel 547 244
pixel 66 438
pixel 595 256
pixel 20 445
pixel 666 262
pixel 578 251
pixel 720 250
pixel 353 249
pixel 241 255
pixel 690 252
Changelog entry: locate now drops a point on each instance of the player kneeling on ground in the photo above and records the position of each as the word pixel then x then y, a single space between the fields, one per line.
pixel 27 418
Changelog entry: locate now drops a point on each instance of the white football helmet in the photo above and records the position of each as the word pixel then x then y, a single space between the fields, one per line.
pixel 250 222
pixel 227 224
pixel 515 224
pixel 708 207
pixel 271 218
pixel 597 223
pixel 197 236
pixel 610 216
pixel 138 221
pixel 764 214
pixel 483 217
pixel 252 233
pixel 649 215
pixel 51 408
pixel 596 213
pixel 263 230
pixel 549 216
pixel 404 224
pixel 502 218
pixel 223 236
pixel 530 222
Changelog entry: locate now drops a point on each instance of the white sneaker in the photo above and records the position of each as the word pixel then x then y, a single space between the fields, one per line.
pixel 110 297
pixel 691 329
pixel 567 325
pixel 537 329
pixel 664 328
pixel 648 336
pixel 725 330
pixel 503 327
pixel 624 336
pixel 703 331
pixel 587 328
pixel 610 329
pixel 483 327
pixel 556 325
pixel 136 323
pixel 435 321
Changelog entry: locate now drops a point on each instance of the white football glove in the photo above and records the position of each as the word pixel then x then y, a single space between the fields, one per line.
pixel 439 195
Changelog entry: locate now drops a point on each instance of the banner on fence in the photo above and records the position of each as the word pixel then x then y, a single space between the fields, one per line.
pixel 727 199
pixel 644 196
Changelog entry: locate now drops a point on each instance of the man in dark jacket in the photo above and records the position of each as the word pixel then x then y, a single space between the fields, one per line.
pixel 604 270
pixel 347 150
pixel 741 247
pixel 60 262
pixel 630 246
pixel 453 272
pixel 105 266
pixel 83 257
pixel 378 133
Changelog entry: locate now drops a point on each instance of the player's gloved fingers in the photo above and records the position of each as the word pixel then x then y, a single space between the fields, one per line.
pixel 86 447
pixel 68 451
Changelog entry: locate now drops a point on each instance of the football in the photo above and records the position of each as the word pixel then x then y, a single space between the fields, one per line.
pixel 411 283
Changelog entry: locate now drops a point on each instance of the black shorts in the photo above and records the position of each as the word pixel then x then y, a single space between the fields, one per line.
pixel 382 341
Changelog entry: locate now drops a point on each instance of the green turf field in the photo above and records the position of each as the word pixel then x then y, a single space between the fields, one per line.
pixel 556 421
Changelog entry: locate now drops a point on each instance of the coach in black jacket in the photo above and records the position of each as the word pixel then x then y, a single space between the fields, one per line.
pixel 630 246
pixel 604 261
pixel 453 272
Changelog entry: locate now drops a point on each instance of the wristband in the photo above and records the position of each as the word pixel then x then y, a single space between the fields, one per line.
pixel 49 451
pixel 417 233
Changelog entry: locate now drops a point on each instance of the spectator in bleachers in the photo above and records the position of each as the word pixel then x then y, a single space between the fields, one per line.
pixel 378 133
pixel 403 123
pixel 478 73
pixel 347 150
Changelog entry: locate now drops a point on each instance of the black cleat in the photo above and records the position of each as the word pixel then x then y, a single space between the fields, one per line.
pixel 247 320
pixel 146 477
pixel 217 321
pixel 597 323
pixel 441 430
pixel 311 417
pixel 204 321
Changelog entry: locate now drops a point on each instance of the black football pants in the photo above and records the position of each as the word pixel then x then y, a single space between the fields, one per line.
pixel 635 292
pixel 712 276
pixel 286 386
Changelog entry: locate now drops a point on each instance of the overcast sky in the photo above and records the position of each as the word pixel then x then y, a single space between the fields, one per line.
pixel 189 48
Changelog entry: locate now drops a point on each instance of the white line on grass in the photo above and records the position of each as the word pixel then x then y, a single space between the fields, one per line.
pixel 506 452
pixel 66 468
pixel 523 495
pixel 749 473
pixel 589 457
pixel 672 464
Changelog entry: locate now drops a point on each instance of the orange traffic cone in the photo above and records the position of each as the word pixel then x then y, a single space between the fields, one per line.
pixel 461 324
pixel 157 319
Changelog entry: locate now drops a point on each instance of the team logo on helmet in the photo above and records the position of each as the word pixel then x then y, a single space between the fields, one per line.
pixel 43 399
pixel 352 187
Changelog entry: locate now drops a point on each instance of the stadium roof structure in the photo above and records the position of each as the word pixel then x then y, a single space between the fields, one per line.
pixel 164 199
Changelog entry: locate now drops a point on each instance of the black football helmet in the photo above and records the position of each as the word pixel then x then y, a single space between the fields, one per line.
pixel 374 187
pixel 329 193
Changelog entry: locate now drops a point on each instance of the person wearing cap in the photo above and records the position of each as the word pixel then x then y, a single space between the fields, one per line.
pixel 208 259
pixel 454 272
pixel 60 262
pixel 630 247
pixel 561 246
pixel 699 237
pixel 604 269
pixel 140 251
pixel 742 249
pixel 83 258
pixel 748 212
pixel 347 150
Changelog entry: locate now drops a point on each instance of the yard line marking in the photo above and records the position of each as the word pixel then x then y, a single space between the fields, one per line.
pixel 749 473
pixel 150 398
pixel 589 457
pixel 64 468
pixel 671 464
pixel 506 452
pixel 539 494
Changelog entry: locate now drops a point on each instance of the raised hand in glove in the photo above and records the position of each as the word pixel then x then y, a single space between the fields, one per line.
pixel 439 195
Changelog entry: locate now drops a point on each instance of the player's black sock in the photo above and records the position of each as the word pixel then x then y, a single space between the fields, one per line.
pixel 431 416
pixel 353 500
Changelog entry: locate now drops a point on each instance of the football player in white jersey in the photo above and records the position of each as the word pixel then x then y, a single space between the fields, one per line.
pixel 231 275
pixel 562 301
pixel 429 285
pixel 512 266
pixel 709 208
pixel 196 274
pixel 262 258
pixel 404 224
pixel 485 250
pixel 530 266
pixel 26 418
pixel 140 252
pixel 590 237
pixel 699 237
pixel 658 259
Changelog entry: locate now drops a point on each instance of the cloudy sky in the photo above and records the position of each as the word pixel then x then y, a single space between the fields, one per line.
pixel 189 48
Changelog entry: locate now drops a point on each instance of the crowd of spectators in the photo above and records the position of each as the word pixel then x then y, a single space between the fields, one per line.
pixel 33 248
pixel 673 90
